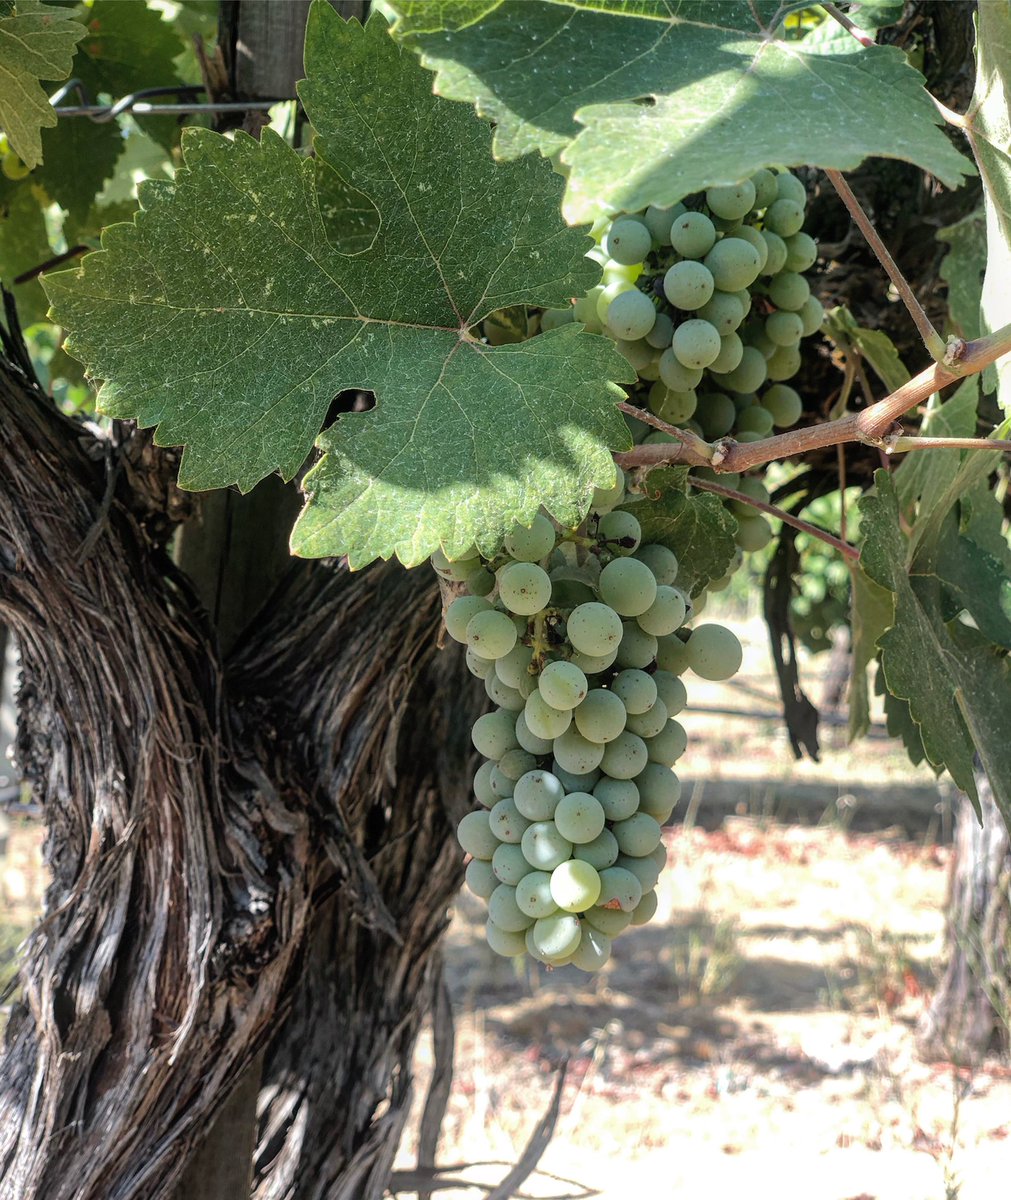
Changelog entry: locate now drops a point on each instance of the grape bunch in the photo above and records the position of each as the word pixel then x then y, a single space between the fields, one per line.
pixel 580 639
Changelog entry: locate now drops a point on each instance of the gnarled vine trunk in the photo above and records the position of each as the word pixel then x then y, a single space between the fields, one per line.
pixel 209 823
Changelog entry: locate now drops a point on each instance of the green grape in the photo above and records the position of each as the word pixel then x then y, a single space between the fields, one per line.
pixel 524 588
pixel 760 340
pixel 676 375
pixel 638 354
pixel 619 798
pixel 731 352
pixel 638 835
pixel 556 936
pixel 784 328
pixel 537 795
pixel 749 233
pixel 544 847
pixel 755 419
pixel 644 869
pixel 562 685
pixel 665 614
pixel 716 414
pixel 512 668
pixel 659 791
pixel 789 187
pixel 475 835
pixel 599 853
pixel 637 648
pixel 646 909
pixel 533 895
pixel 578 782
pixel 693 234
pixel 621 530
pixel 593 951
pixel 765 188
pixel 480 878
pixel 688 285
pixel 508 945
pixel 543 721
pixel 577 754
pixel 661 561
pixel 584 311
pixel 611 292
pixel 676 409
pixel 784 364
pixel 533 544
pixel 502 695
pixel 570 593
pixel 744 299
pixel 784 217
pixel 601 716
pixel 724 312
pixel 459 613
pixel 514 764
pixel 660 335
pixel 636 690
pixel 734 264
pixel 714 652
pixel 753 533
pixel 594 629
pixel 509 863
pixel 649 724
pixel 628 586
pixel 575 886
pixel 631 315
pixel 505 913
pixel 593 664
pixel 483 791
pixel 609 921
pixel 811 314
pixel 628 241
pixel 579 818
pixel 789 290
pixel 625 757
pixel 501 784
pixel 667 746
pixel 478 666
pixel 481 581
pixel 507 822
pixel 802 252
pixel 555 318
pixel 613 271
pixel 14 166
pixel 696 343
pixel 732 201
pixel 777 252
pixel 491 634
pixel 619 887
pixel 528 740
pixel 455 569
pixel 659 220
pixel 671 655
pixel 749 374
pixel 604 499
pixel 494 734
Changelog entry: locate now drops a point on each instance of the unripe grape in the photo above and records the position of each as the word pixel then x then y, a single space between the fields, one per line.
pixel 604 499
pixel 594 949
pixel 749 374
pixel 753 533
pixel 511 668
pixel 474 833
pixel 524 588
pixel 579 817
pixel 601 716
pixel 625 757
pixel 501 694
pixel 621 530
pixel 638 835
pixel 750 234
pixel 514 764
pixel 542 720
pixel 611 292
pixel 784 217
pixel 688 285
pixel 609 921
pixel 480 878
pixel 789 187
pixel 714 652
pixel 631 315
pixel 459 613
pixel 659 790
pixel 576 782
pixel 784 364
pixel 716 414
pixel 530 545
pixel 637 648
pixel 594 629
pixel 533 895
pixel 661 561
pixel 628 241
pixel 563 685
pixel 784 404
pixel 734 264
pixel 676 375
pixel 648 724
pixel 731 201
pixel 600 853
pixel 696 344
pixel 765 188
pixel 693 234
pixel 802 252
pixel 659 220
pixel 619 798
pixel 509 863
pixel 628 586
pixel 576 753
pixel 544 847
pixel 636 690
pixel 494 733
pixel 667 746
pixel 556 936
pixel 672 654
pixel 507 822
pixel 555 318
pixel 777 253
pixel 723 311
pixel 491 634
pixel 660 335
pixel 505 912
pixel 508 945
pixel 789 290
pixel 619 888
pixel 812 314
pixel 784 328
pixel 645 869
pixel 646 909
pixel 730 355
pixel 480 667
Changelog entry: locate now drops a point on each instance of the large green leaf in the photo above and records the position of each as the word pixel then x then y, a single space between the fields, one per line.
pixel 36 42
pixel 956 683
pixel 232 312
pixel 79 156
pixel 962 270
pixel 695 525
pixel 989 129
pixel 874 344
pixel 872 611
pixel 24 244
pixel 652 99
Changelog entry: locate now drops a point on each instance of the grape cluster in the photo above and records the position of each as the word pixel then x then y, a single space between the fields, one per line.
pixel 580 640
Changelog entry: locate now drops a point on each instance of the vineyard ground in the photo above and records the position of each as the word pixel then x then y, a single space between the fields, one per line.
pixel 758 1036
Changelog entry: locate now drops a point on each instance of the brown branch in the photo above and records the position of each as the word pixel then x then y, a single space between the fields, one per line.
pixel 931 338
pixel 870 426
pixel 902 444
pixel 844 548
pixel 696 451
pixel 850 26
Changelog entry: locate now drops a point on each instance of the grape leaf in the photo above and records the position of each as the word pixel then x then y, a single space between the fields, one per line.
pixel 652 100
pixel 24 244
pixel 962 270
pixel 922 478
pixel 900 724
pixel 696 526
pixel 872 611
pixel 957 684
pixel 244 298
pixel 874 344
pixel 36 42
pixel 988 124
pixel 79 156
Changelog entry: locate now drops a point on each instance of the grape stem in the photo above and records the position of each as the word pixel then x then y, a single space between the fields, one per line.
pixel 931 338
pixel 844 548
pixel 697 452
pixel 851 27
pixel 870 426
pixel 901 444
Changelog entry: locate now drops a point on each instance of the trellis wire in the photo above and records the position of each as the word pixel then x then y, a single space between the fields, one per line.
pixel 137 103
